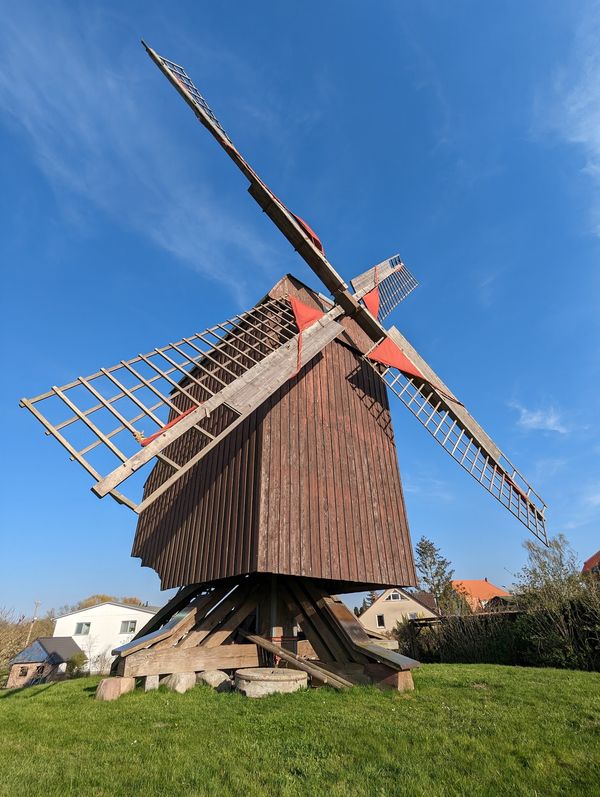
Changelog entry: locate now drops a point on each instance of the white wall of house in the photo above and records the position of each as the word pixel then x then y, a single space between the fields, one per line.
pixel 392 606
pixel 101 628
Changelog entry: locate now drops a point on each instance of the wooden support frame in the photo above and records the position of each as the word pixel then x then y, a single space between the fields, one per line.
pixel 213 633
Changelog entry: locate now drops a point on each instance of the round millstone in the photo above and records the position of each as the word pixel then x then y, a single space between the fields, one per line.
pixel 262 681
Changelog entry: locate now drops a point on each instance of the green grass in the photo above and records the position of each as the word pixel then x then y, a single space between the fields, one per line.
pixel 467 730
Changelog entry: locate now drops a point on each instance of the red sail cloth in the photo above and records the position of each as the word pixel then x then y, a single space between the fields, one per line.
pixel 389 354
pixel 143 441
pixel 371 301
pixel 308 230
pixel 305 317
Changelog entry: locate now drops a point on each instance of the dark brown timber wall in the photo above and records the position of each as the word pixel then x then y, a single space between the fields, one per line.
pixel 308 485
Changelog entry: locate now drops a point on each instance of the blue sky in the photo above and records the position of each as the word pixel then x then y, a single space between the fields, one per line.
pixel 465 136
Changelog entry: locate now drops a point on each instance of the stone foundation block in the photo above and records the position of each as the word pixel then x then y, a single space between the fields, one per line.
pixel 151 683
pixel 218 679
pixel 179 681
pixel 113 688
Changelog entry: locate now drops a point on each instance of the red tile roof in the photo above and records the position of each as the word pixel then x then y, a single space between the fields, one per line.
pixel 477 591
pixel 591 563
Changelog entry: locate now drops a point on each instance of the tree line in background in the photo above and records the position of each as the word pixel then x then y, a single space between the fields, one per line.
pixel 17 631
pixel 554 620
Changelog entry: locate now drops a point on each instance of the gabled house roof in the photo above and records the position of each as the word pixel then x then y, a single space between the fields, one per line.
pixel 48 649
pixel 478 590
pixel 132 606
pixel 424 599
pixel 591 564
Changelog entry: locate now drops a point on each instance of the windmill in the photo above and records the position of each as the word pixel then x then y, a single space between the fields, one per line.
pixel 274 479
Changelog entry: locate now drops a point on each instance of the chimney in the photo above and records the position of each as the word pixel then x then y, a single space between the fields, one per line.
pixel 485 579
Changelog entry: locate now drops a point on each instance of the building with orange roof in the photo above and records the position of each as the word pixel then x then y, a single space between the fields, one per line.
pixel 478 592
pixel 592 565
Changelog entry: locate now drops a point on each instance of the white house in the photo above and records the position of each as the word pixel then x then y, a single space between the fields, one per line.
pixel 101 628
pixel 394 605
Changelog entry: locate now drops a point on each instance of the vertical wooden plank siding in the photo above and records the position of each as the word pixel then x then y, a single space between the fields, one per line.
pixel 308 485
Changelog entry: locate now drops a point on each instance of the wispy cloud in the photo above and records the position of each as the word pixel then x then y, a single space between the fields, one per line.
pixel 548 467
pixel 544 419
pixel 592 496
pixel 486 289
pixel 427 485
pixel 584 507
pixel 102 142
pixel 574 110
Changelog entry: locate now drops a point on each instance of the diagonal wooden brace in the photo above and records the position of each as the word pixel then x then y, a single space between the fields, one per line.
pixel 243 396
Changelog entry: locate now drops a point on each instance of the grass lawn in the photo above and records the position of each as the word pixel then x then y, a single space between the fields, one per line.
pixel 467 730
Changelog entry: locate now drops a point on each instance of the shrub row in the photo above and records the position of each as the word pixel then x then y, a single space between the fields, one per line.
pixel 565 634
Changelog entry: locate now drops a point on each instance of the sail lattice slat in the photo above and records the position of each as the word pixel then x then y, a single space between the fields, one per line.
pixel 394 289
pixel 97 418
pixel 181 76
pixel 494 472
pixel 393 280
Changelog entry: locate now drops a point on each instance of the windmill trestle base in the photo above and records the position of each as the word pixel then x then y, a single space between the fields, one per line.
pixel 262 620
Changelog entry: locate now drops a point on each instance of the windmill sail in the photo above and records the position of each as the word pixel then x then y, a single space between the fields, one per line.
pixel 442 414
pixel 203 385
pixel 297 231
pixel 390 280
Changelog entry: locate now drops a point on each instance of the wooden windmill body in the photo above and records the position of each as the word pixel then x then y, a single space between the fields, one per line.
pixel 274 480
pixel 307 486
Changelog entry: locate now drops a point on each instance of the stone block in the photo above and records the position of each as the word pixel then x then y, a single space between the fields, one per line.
pixel 386 678
pixel 179 681
pixel 218 679
pixel 113 688
pixel 151 683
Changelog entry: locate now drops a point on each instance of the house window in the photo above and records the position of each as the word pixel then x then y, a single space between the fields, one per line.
pixel 128 626
pixel 396 596
pixel 82 629
pixel 380 621
pixel 23 672
pixel 39 669
pixel 412 615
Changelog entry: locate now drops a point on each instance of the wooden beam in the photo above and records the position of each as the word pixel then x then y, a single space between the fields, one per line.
pixel 318 622
pixel 163 662
pixel 310 667
pixel 243 395
pixel 231 624
pixel 177 602
pixel 205 624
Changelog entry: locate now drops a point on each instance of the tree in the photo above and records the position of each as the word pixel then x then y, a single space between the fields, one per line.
pixel 549 567
pixel 435 571
pixel 560 607
pixel 368 601
pixel 371 598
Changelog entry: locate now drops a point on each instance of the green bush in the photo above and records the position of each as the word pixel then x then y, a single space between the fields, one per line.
pixel 76 664
pixel 552 627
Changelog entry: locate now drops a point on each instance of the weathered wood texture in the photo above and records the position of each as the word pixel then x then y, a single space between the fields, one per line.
pixel 177 659
pixel 307 485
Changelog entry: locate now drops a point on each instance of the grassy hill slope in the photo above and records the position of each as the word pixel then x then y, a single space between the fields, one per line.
pixel 467 730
